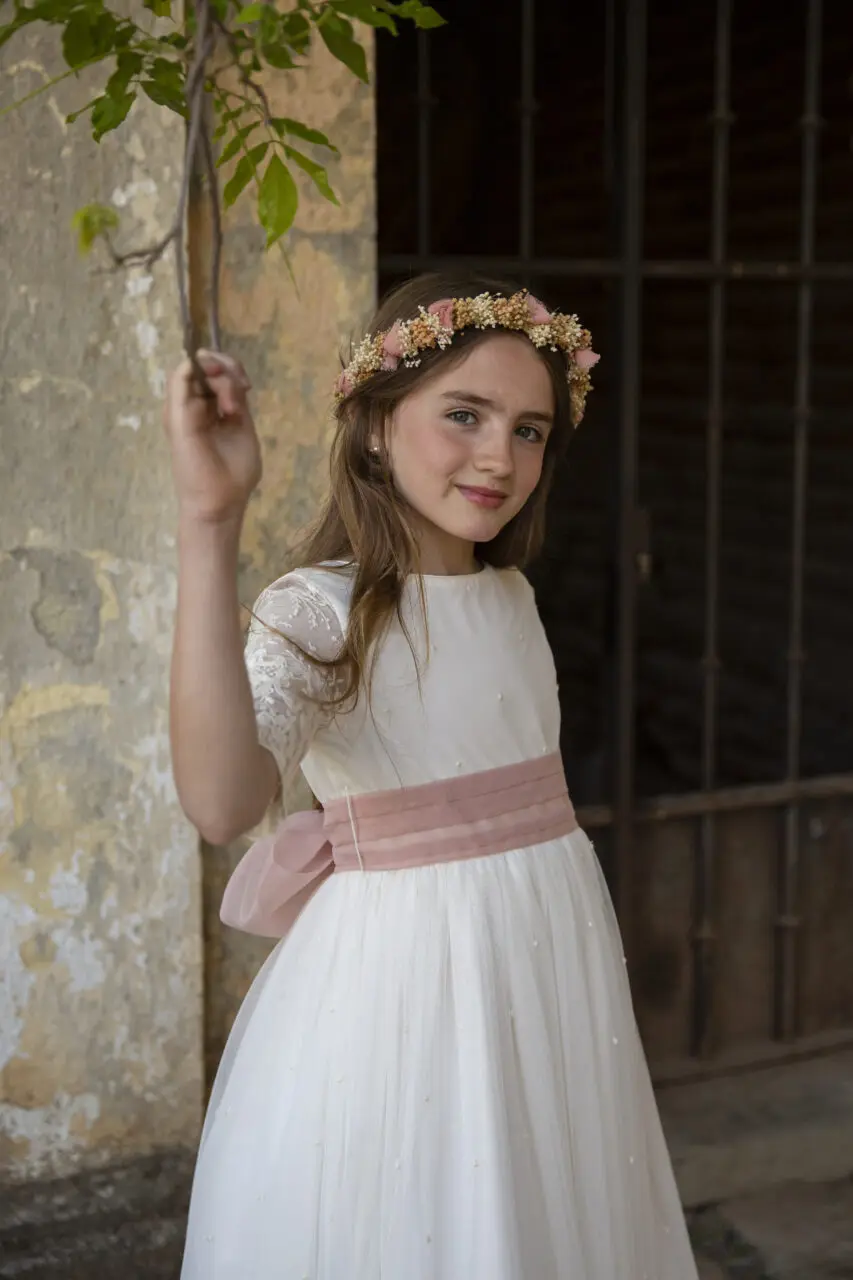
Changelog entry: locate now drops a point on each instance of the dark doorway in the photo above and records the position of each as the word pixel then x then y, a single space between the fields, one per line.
pixel 681 176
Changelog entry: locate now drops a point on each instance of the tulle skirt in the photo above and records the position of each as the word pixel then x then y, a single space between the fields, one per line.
pixel 437 1076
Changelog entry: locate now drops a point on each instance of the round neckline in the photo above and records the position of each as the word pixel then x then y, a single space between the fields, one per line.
pixel 484 571
pixel 453 577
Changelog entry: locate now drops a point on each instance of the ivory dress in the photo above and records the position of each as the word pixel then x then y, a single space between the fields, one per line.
pixel 437 1073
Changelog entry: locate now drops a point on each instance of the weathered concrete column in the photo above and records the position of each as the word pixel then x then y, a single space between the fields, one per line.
pixel 102 1012
pixel 100 1029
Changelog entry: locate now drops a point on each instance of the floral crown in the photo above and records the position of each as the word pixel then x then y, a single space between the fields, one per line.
pixel 436 325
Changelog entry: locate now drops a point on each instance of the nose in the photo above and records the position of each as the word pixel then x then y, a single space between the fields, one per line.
pixel 494 454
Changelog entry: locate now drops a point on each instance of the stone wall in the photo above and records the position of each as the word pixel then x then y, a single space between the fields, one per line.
pixel 99 887
pixel 106 901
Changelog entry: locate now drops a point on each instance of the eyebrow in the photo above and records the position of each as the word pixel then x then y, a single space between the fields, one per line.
pixel 484 402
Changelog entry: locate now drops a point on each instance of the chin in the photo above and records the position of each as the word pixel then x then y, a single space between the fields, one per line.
pixel 481 528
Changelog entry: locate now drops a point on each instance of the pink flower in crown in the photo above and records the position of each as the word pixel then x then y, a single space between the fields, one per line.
pixel 443 308
pixel 344 385
pixel 539 313
pixel 392 346
pixel 585 358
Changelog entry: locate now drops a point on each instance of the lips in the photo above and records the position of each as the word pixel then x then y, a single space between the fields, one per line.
pixel 490 498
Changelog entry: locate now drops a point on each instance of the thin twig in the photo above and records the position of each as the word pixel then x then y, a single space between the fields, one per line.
pixel 48 84
pixel 141 257
pixel 246 79
pixel 195 108
pixel 216 252
pixel 147 256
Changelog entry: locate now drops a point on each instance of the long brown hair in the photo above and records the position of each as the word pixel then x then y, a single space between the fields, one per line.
pixel 364 523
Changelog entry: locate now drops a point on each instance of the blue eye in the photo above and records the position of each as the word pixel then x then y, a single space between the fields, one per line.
pixel 535 435
pixel 457 416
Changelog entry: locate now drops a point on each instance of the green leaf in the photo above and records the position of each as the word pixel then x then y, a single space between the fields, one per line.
pixel 8 31
pixel 365 12
pixel 283 125
pixel 238 181
pixel 315 172
pixel 165 95
pixel 124 35
pixel 169 73
pixel 339 40
pixel 251 13
pixel 268 25
pixel 109 112
pixel 427 18
pixel 75 115
pixel 160 8
pixel 92 221
pixel 278 199
pixel 88 35
pixel 297 31
pixel 77 42
pixel 236 143
pixel 277 55
pixel 174 40
pixel 128 65
pixel 246 169
pixel 423 15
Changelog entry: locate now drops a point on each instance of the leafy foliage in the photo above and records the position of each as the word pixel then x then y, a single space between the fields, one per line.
pixel 156 57
pixel 92 221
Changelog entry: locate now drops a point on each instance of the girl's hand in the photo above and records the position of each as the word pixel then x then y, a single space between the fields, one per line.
pixel 216 456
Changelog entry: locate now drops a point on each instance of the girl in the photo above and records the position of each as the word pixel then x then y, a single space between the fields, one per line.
pixel 437 1074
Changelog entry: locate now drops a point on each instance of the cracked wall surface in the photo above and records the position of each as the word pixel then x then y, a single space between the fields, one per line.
pixel 100 929
pixel 118 982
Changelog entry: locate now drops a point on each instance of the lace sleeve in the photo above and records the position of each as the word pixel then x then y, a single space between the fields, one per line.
pixel 286 686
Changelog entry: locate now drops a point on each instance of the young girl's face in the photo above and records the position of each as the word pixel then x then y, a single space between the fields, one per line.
pixel 467 448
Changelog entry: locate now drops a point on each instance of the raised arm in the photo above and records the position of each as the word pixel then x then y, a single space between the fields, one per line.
pixel 224 777
pixel 231 736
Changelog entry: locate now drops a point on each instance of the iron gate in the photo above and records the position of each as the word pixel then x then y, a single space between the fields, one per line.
pixel 630 826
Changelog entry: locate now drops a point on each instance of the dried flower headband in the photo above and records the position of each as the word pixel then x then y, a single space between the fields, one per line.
pixel 435 326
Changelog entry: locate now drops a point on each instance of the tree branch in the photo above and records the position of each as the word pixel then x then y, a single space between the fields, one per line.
pixel 216 222
pixel 246 79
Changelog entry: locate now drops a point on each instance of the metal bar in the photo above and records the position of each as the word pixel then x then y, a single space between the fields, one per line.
pixel 745 1061
pixel 609 268
pixel 632 132
pixel 704 932
pixel 688 408
pixel 788 922
pixel 424 144
pixel 528 111
pixel 692 804
pixel 608 153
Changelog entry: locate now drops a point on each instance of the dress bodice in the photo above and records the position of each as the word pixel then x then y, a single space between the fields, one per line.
pixel 470 687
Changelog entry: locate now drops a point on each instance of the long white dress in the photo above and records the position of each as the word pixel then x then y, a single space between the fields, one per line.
pixel 437 1074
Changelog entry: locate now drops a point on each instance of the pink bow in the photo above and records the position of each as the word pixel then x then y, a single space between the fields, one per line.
pixel 276 877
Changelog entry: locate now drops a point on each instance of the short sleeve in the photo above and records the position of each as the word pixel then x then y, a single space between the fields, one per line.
pixel 292 619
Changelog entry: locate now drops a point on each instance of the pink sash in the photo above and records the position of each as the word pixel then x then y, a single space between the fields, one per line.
pixel 464 817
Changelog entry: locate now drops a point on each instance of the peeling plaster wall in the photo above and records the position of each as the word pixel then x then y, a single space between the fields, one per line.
pixel 107 919
pixel 100 924
pixel 290 342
